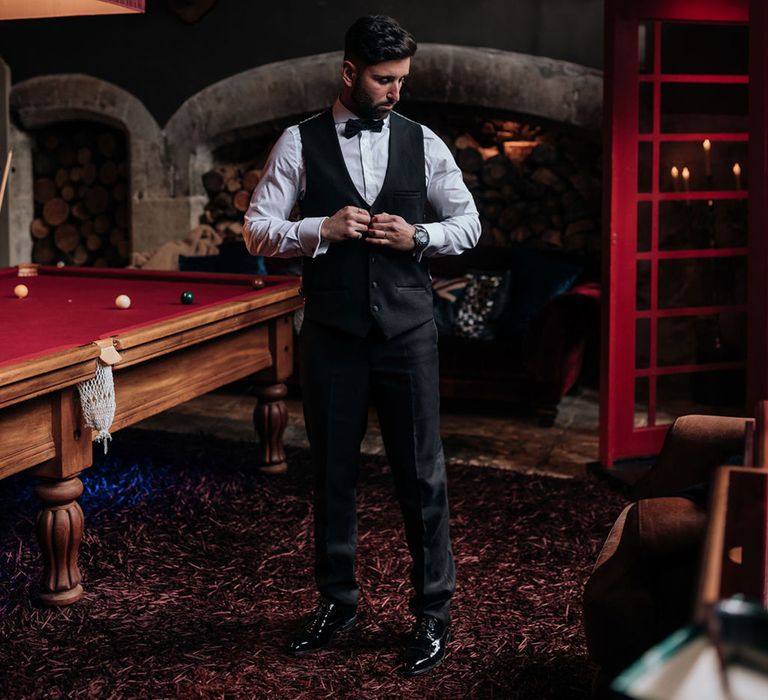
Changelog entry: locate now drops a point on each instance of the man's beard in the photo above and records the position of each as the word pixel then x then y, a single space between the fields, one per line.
pixel 366 108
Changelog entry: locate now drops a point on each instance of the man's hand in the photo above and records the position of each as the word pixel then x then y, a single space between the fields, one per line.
pixel 346 224
pixel 391 231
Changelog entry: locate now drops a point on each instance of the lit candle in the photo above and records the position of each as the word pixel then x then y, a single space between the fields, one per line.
pixel 737 175
pixel 707 157
pixel 686 178
pixel 675 175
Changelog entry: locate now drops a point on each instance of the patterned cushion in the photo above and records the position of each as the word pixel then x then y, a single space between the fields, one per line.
pixel 448 294
pixel 483 299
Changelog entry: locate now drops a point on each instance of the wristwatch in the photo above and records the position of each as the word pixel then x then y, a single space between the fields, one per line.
pixel 420 239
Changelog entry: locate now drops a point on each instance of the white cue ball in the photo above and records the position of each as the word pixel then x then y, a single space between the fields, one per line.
pixel 123 301
pixel 21 290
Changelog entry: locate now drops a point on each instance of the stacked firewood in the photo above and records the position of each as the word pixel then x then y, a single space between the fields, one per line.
pixel 81 197
pixel 532 185
pixel 229 189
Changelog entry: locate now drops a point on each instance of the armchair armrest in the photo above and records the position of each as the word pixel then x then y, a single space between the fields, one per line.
pixel 694 446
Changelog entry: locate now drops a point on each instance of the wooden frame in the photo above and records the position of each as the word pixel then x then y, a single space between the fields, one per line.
pixel 735 554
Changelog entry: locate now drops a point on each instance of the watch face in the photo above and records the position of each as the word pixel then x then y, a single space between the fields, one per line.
pixel 421 238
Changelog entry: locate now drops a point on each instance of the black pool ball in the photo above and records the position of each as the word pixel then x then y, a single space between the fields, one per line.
pixel 187 297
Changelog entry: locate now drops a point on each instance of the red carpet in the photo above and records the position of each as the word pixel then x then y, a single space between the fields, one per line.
pixel 196 569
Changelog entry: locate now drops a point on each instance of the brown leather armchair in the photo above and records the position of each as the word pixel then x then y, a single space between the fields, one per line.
pixel 643 585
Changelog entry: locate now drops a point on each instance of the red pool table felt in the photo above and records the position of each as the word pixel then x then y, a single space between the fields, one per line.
pixel 69 307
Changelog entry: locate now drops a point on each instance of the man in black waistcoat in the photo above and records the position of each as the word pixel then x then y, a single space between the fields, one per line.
pixel 362 175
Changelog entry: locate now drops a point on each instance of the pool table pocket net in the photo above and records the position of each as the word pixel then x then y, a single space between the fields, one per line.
pixel 97 397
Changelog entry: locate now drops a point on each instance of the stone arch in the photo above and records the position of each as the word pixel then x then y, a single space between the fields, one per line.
pixel 167 164
pixel 49 99
pixel 542 87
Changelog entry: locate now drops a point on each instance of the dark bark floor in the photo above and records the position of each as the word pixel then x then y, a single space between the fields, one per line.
pixel 196 569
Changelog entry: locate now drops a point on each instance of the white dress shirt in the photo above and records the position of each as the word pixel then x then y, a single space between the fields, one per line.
pixel 267 230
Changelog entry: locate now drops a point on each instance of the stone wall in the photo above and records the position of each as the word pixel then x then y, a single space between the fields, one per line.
pixel 166 165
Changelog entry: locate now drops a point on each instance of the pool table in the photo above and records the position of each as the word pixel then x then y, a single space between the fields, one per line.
pixel 162 351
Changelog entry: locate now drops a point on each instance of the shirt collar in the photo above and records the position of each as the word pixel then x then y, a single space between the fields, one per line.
pixel 341 114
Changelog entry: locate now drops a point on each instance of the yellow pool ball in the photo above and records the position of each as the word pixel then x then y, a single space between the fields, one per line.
pixel 21 290
pixel 123 301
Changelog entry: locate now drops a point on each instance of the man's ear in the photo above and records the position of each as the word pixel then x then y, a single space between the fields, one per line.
pixel 348 73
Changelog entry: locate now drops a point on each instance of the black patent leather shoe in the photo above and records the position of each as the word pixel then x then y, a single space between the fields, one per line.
pixel 427 646
pixel 327 620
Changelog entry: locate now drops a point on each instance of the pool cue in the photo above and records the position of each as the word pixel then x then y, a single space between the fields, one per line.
pixel 7 170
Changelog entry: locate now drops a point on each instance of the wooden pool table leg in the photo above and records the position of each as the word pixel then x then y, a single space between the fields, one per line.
pixel 59 532
pixel 270 418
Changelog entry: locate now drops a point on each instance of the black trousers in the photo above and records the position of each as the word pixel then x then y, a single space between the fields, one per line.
pixel 340 375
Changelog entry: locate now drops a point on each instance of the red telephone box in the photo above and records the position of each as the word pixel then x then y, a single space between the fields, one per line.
pixel 684 323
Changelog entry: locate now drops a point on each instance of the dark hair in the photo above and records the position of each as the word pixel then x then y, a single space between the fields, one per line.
pixel 376 38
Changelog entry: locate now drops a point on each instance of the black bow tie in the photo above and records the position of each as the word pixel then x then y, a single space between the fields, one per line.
pixel 355 126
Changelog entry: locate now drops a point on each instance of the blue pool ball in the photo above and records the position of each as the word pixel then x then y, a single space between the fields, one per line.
pixel 187 297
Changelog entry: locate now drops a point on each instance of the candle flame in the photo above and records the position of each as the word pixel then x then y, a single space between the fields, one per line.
pixel 736 169
pixel 686 173
pixel 707 144
pixel 675 172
